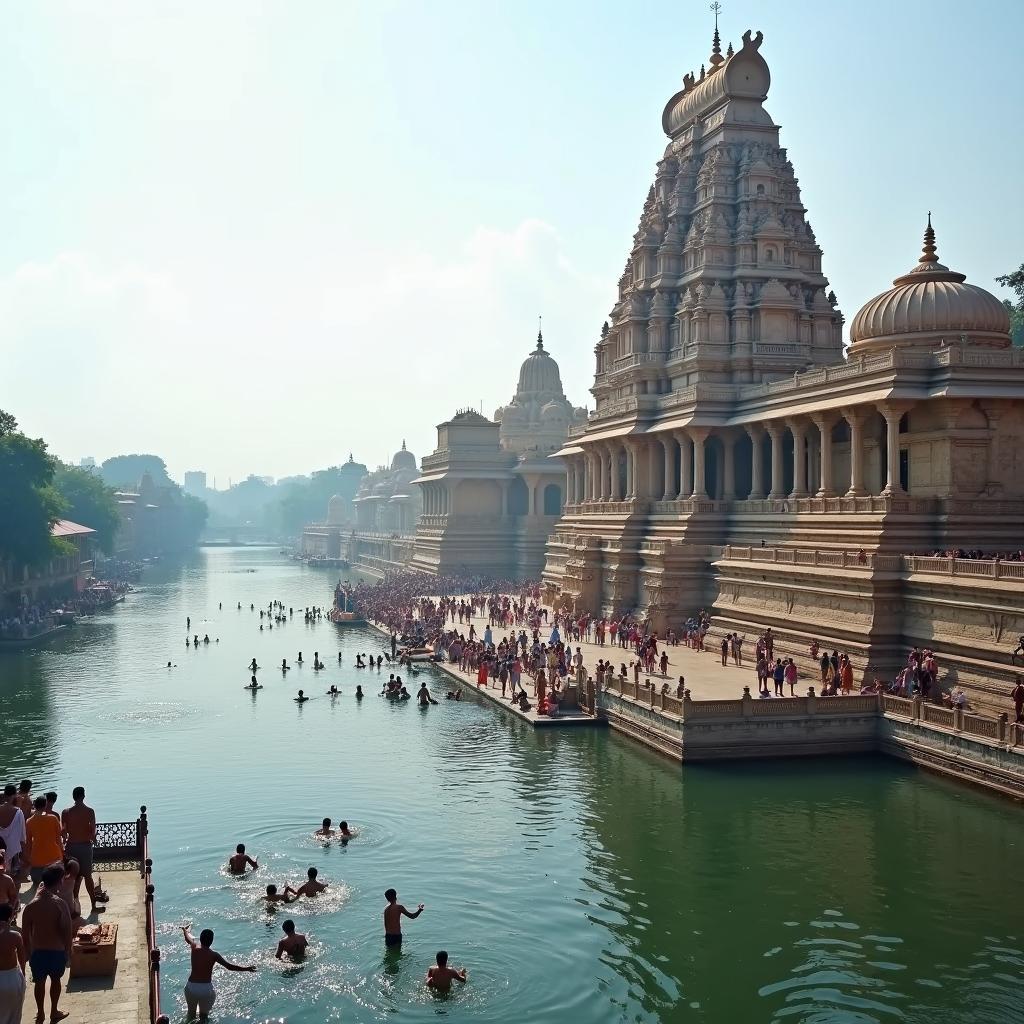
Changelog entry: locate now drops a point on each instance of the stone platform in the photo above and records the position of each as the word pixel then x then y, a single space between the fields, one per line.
pixel 123 998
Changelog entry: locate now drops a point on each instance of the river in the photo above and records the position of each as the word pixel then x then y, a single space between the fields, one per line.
pixel 578 877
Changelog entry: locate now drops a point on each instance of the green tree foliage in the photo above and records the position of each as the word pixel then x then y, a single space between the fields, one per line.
pixel 90 502
pixel 125 471
pixel 1015 282
pixel 29 504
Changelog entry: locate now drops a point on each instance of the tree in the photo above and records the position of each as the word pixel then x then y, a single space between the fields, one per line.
pixel 29 504
pixel 127 470
pixel 1015 282
pixel 89 502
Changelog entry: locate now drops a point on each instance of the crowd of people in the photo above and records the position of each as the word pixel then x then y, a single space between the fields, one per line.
pixel 34 618
pixel 977 554
pixel 51 852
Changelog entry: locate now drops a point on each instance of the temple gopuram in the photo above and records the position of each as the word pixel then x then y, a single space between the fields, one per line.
pixel 739 460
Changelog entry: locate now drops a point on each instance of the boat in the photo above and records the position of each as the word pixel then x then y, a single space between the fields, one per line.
pixel 345 611
pixel 411 654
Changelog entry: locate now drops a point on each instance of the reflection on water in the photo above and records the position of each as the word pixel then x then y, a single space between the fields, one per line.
pixel 578 877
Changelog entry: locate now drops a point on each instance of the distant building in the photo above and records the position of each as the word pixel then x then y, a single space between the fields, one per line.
pixel 87 462
pixel 61 576
pixel 492 493
pixel 323 539
pixel 386 509
pixel 195 483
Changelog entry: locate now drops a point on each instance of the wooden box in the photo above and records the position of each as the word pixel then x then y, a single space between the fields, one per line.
pixel 95 959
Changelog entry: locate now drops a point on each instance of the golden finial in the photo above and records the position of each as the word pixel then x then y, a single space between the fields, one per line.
pixel 716 57
pixel 928 256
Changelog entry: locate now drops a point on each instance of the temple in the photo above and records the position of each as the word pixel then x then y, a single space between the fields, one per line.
pixel 491 492
pixel 738 460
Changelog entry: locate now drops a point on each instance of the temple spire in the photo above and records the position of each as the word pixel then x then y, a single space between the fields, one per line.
pixel 716 44
pixel 540 334
pixel 928 255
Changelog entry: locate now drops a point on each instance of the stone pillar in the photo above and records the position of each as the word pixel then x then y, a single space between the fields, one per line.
pixel 893 414
pixel 799 431
pixel 671 489
pixel 685 465
pixel 603 477
pixel 855 417
pixel 729 474
pixel 699 435
pixel 824 422
pixel 630 447
pixel 614 450
pixel 775 433
pixel 756 435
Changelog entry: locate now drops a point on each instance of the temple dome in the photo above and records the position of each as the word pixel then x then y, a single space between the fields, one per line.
pixel 927 305
pixel 403 459
pixel 539 373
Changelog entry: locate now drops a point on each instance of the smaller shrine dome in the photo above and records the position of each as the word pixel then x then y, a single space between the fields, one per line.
pixel 928 305
pixel 539 373
pixel 336 508
pixel 403 459
pixel 556 412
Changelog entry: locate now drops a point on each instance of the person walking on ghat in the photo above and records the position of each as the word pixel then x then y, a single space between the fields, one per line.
pixel 199 993
pixel 46 932
pixel 12 969
pixel 79 822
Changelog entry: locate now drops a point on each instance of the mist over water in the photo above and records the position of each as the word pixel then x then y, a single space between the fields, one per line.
pixel 579 877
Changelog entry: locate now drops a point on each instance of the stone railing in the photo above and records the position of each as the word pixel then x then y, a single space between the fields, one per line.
pixel 998 729
pixel 880 562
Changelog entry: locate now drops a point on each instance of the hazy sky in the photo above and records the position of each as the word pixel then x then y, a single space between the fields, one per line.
pixel 252 237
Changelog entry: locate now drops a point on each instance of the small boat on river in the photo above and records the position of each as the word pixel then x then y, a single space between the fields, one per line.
pixel 345 611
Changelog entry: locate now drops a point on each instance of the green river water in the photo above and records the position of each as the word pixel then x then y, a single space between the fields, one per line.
pixel 578 877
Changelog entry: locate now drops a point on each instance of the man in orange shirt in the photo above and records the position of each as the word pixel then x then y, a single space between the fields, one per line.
pixel 44 840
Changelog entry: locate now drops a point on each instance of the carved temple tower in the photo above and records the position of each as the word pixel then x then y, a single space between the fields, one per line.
pixel 737 460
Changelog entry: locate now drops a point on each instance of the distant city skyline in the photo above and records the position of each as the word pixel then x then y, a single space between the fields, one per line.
pixel 251 241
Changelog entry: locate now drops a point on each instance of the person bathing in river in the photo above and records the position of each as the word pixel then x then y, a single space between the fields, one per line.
pixel 301 699
pixel 423 696
pixel 293 945
pixel 311 887
pixel 240 860
pixel 333 691
pixel 273 896
pixel 199 993
pixel 393 914
pixel 325 829
pixel 284 665
pixel 440 976
pixel 253 666
pixel 344 832
pixel 359 693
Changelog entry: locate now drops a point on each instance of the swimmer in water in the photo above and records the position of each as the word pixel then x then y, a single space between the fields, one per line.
pixel 301 698
pixel 311 887
pixel 273 896
pixel 423 696
pixel 333 691
pixel 359 693
pixel 240 860
pixel 294 944
pixel 253 666
pixel 393 914
pixel 345 832
pixel 440 976
pixel 339 657
pixel 284 665
pixel 206 638
pixel 325 829
pixel 188 622
pixel 299 658
pixel 169 665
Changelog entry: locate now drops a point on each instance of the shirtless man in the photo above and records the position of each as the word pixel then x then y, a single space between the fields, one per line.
pixel 310 887
pixel 273 896
pixel 325 829
pixel 12 968
pixel 440 977
pixel 293 944
pixel 79 822
pixel 240 860
pixel 423 696
pixel 8 889
pixel 393 914
pixel 345 832
pixel 199 993
pixel 46 932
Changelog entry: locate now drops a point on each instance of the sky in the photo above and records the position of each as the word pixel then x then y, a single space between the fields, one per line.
pixel 253 237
